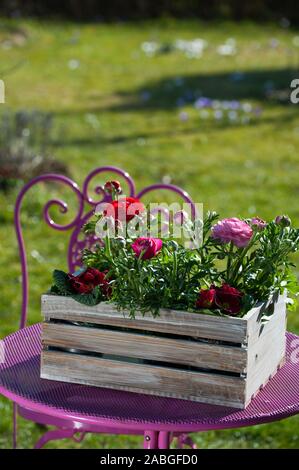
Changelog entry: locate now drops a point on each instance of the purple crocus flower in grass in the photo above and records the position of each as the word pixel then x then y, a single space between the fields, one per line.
pixel 234 104
pixel 202 102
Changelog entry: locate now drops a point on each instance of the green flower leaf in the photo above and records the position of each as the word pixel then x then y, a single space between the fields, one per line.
pixel 61 281
pixel 93 298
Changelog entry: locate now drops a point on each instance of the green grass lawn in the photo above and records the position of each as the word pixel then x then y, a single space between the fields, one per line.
pixel 114 105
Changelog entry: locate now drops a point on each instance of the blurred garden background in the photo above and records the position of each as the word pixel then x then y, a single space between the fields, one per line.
pixel 193 93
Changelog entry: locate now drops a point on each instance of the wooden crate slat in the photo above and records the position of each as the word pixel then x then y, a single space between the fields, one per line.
pixel 169 321
pixel 180 351
pixel 173 337
pixel 216 389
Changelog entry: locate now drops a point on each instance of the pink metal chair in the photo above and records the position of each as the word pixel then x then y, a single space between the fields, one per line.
pixel 74 410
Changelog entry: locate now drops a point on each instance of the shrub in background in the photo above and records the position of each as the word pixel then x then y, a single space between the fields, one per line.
pixel 25 142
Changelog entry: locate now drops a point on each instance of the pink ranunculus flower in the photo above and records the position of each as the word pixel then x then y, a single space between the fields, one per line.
pixel 232 230
pixel 258 223
pixel 149 246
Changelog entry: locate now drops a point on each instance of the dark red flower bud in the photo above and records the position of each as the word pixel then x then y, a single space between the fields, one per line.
pixel 113 186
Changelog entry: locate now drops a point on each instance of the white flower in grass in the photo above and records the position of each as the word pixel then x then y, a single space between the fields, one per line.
pixel 150 48
pixel 228 48
pixel 192 49
pixel 232 115
pixel 73 64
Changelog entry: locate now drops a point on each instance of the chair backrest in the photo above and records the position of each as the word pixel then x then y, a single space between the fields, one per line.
pixel 86 206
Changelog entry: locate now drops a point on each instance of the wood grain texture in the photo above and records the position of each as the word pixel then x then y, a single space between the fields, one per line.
pixel 266 347
pixel 258 350
pixel 161 381
pixel 180 351
pixel 169 321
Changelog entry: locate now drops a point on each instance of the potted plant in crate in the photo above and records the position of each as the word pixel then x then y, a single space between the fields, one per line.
pixel 147 314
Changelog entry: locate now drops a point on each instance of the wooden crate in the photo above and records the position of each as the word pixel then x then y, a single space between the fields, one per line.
pixel 199 357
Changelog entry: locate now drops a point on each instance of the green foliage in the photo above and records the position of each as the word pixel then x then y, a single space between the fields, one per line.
pixel 267 268
pixel 61 282
pixel 89 299
pixel 262 268
pixel 174 277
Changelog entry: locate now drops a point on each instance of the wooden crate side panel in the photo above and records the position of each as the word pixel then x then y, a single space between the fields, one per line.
pixel 169 321
pixel 223 358
pixel 266 348
pixel 206 388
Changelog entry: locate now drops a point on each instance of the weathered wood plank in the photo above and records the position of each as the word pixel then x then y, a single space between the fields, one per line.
pixel 264 352
pixel 266 348
pixel 162 381
pixel 180 351
pixel 169 321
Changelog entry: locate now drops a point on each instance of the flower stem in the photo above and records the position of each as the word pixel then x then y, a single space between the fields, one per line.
pixel 241 255
pixel 108 247
pixel 229 260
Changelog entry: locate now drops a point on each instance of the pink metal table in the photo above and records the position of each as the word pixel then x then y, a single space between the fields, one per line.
pixel 81 409
pixel 74 410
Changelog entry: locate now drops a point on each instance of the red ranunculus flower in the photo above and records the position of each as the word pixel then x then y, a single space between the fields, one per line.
pixel 226 298
pixel 85 282
pixel 149 247
pixel 229 299
pixel 124 209
pixel 206 298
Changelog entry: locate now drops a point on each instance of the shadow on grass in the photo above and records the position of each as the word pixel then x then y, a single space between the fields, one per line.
pixel 206 127
pixel 270 88
pixel 171 92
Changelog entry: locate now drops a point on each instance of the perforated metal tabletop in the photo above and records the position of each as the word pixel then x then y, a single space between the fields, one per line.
pixel 20 381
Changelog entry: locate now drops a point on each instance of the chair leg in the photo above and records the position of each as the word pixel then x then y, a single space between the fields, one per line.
pixel 14 425
pixel 164 440
pixel 150 440
pixel 53 435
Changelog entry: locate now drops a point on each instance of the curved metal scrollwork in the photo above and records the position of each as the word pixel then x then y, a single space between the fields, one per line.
pixel 54 202
pixel 76 245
